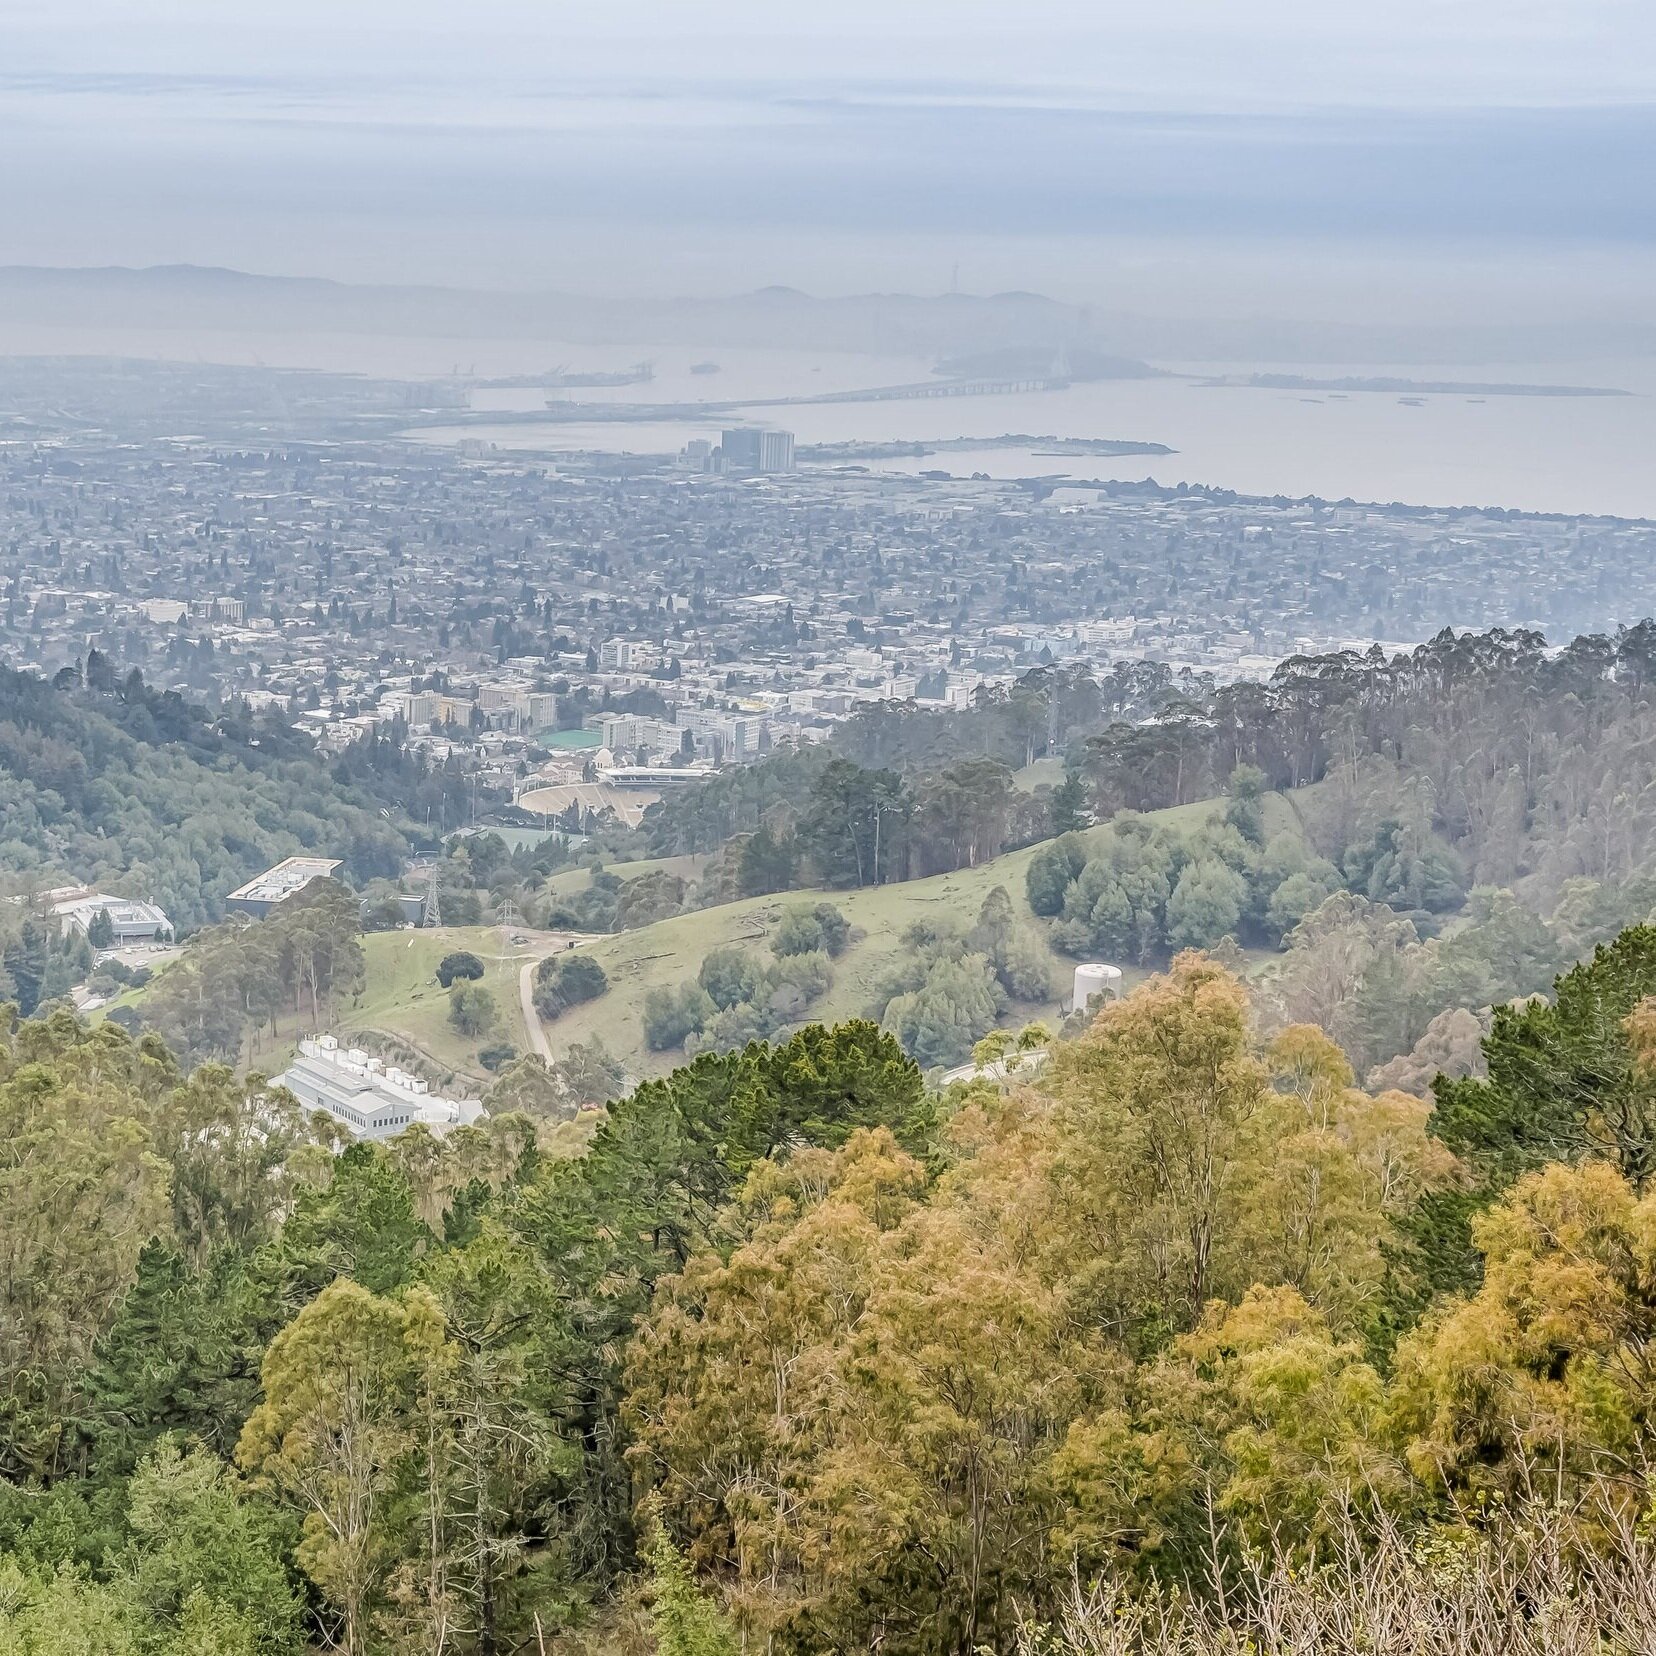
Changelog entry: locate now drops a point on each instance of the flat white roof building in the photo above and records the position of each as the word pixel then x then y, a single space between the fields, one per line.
pixel 261 894
pixel 130 921
pixel 361 1093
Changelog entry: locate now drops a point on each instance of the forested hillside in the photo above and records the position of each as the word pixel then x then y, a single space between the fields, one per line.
pixel 1311 1280
pixel 1531 762
pixel 1464 827
pixel 139 792
pixel 1528 761
pixel 1184 1335
pixel 1447 828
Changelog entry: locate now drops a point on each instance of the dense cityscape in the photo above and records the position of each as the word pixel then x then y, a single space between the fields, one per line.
pixel 518 610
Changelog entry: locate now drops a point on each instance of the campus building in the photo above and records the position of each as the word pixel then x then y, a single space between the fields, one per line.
pixel 265 891
pixel 366 1096
pixel 130 921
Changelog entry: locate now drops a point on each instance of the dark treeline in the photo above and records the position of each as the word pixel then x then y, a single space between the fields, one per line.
pixel 1529 761
pixel 434 797
pixel 846 825
pixel 1522 758
pixel 1043 714
pixel 1039 715
pixel 734 802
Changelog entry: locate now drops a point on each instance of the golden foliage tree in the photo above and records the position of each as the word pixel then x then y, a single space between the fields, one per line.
pixel 1546 1374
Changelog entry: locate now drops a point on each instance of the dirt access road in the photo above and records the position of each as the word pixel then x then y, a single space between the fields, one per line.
pixel 540 946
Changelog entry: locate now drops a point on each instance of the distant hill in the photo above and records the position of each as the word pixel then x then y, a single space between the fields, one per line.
pixel 1033 362
pixel 174 296
pixel 204 299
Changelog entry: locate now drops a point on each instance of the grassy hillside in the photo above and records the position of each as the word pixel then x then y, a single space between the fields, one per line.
pixel 671 950
pixel 403 998
pixel 567 881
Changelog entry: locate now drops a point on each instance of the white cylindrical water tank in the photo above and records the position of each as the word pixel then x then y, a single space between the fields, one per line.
pixel 1092 980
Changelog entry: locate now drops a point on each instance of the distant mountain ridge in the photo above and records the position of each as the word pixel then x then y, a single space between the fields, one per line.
pixel 949 324
pixel 171 296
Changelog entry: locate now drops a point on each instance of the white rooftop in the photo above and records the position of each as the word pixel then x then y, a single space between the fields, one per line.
pixel 366 1095
pixel 126 914
pixel 287 877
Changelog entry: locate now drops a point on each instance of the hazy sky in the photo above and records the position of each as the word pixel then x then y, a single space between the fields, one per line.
pixel 1410 157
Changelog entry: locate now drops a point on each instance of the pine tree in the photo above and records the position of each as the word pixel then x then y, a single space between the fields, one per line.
pixel 100 933
pixel 1068 804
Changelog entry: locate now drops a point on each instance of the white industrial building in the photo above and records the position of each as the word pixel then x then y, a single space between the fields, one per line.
pixel 273 887
pixel 130 921
pixel 361 1093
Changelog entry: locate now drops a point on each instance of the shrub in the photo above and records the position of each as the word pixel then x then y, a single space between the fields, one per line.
pixel 809 973
pixel 1206 904
pixel 836 929
pixel 730 976
pixel 590 1074
pixel 462 964
pixel 472 1008
pixel 803 929
pixel 732 1029
pixel 1050 872
pixel 797 932
pixel 567 980
pixel 687 1622
pixel 938 1022
pixel 672 1014
pixel 497 1055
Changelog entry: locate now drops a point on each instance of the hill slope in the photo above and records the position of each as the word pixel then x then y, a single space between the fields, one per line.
pixel 671 951
pixel 403 1000
pixel 145 795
